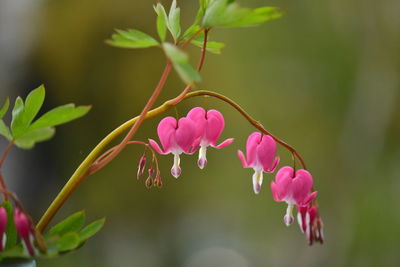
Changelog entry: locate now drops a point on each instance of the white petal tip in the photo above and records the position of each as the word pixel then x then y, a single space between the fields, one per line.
pixel 176 172
pixel 202 163
pixel 288 220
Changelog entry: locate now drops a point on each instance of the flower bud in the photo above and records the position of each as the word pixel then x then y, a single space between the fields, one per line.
pixel 24 230
pixel 141 166
pixel 3 226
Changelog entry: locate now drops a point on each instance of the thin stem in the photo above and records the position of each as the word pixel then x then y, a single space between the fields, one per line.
pixel 5 153
pixel 3 187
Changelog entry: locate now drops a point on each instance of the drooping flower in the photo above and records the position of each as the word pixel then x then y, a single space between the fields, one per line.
pixel 141 166
pixel 3 226
pixel 176 137
pixel 24 230
pixel 294 188
pixel 260 151
pixel 209 127
pixel 310 223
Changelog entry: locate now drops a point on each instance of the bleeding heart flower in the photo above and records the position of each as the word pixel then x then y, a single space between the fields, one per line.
pixel 294 188
pixel 176 137
pixel 310 223
pixel 209 127
pixel 3 226
pixel 260 151
pixel 24 230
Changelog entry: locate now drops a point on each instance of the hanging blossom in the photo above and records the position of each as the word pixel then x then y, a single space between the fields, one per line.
pixel 310 223
pixel 176 137
pixel 260 152
pixel 209 127
pixel 293 187
pixel 3 226
pixel 24 230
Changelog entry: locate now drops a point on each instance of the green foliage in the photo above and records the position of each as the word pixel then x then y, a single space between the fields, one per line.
pixel 181 64
pixel 223 13
pixel 71 224
pixel 65 236
pixel 11 232
pixel 162 21
pixel 131 39
pixel 25 132
pixel 4 109
pixel 174 25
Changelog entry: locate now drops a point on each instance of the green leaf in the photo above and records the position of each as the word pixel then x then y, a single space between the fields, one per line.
pixel 71 224
pixel 5 131
pixel 33 103
pixel 59 115
pixel 30 138
pixel 131 39
pixel 67 242
pixel 174 25
pixel 223 13
pixel 15 252
pixel 4 109
pixel 175 54
pixel 213 47
pixel 11 232
pixel 91 229
pixel 18 123
pixel 181 64
pixel 162 21
pixel 190 31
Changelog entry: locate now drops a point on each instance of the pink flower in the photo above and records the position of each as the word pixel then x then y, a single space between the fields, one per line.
pixel 209 127
pixel 3 226
pixel 293 188
pixel 176 137
pixel 24 230
pixel 310 223
pixel 260 151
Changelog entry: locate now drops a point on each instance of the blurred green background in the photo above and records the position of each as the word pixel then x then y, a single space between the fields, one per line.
pixel 325 78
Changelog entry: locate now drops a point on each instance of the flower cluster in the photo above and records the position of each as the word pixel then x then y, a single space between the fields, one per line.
pixel 24 228
pixel 201 129
pixel 197 131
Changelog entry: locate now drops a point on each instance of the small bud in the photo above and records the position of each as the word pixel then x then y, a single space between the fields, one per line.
pixel 151 172
pixel 142 164
pixel 149 182
pixel 24 230
pixel 3 225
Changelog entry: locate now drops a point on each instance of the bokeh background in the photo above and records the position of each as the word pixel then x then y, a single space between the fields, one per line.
pixel 325 78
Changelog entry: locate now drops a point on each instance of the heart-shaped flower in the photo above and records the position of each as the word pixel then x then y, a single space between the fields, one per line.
pixel 176 137
pixel 260 151
pixel 209 127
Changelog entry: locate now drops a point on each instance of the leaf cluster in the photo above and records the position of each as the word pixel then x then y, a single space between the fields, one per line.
pixel 66 236
pixel 26 130
pixel 211 14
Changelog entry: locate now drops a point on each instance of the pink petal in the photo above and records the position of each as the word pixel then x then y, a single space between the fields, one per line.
pixel 266 152
pixel 166 130
pixel 251 148
pixel 156 147
pixel 309 198
pixel 242 159
pixel 284 172
pixel 276 162
pixel 215 126
pixel 225 143
pixel 275 192
pixel 185 134
pixel 198 116
pixel 301 186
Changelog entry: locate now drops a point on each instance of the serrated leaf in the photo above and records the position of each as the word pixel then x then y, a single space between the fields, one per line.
pixel 91 229
pixel 69 241
pixel 59 115
pixel 17 123
pixel 174 24
pixel 11 232
pixel 30 138
pixel 4 108
pixel 132 39
pixel 223 13
pixel 162 21
pixel 71 224
pixel 33 103
pixel 5 131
